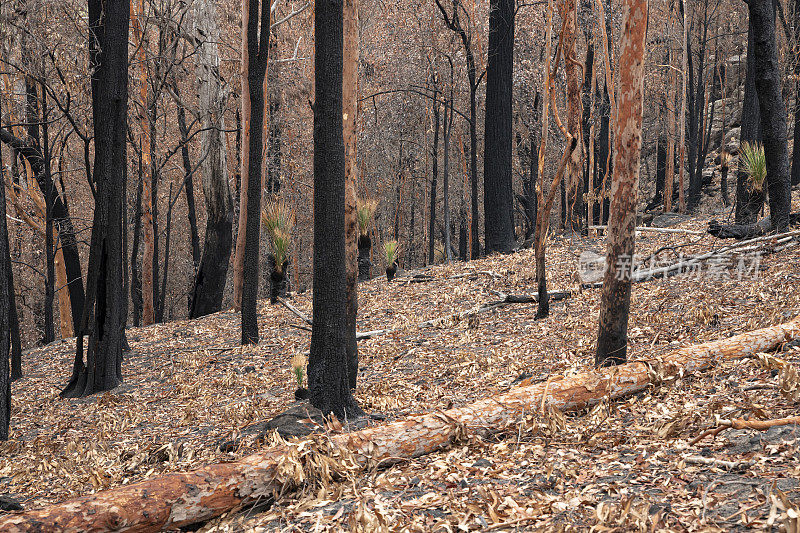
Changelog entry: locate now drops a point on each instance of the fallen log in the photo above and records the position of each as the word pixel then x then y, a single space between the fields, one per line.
pixel 178 500
pixel 746 231
pixel 657 230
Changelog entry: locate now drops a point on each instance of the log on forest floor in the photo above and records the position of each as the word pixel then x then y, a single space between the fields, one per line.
pixel 657 230
pixel 746 231
pixel 181 499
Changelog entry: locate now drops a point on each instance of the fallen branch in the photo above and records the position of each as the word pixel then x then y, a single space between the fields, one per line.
pixel 456 317
pixel 296 311
pixel 304 318
pixel 710 461
pixel 741 423
pixel 658 230
pixel 176 500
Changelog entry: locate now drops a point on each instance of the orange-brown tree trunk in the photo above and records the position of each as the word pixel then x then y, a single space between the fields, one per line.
pixel 573 71
pixel 349 112
pixel 148 303
pixel 612 338
pixel 175 500
pixel 238 258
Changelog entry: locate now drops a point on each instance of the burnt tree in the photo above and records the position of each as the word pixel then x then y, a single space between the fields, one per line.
pixel 209 282
pixel 773 111
pixel 103 317
pixel 328 369
pixel 498 195
pixel 256 37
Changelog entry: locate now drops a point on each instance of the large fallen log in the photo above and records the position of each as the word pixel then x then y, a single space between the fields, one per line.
pixel 177 500
pixel 746 231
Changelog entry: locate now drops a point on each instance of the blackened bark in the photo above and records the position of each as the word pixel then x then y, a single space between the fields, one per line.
pixel 749 200
pixel 434 179
pixel 498 194
pixel 108 27
pixel 723 169
pixel 661 173
pixel 696 89
pixel 50 281
pixel 278 283
pixel 447 130
pixel 188 183
pixel 796 132
pixel 258 52
pixel 773 111
pixel 160 305
pixel 364 264
pixel 209 281
pixel 7 315
pixel 586 96
pixel 61 219
pixel 328 374
pixel 136 274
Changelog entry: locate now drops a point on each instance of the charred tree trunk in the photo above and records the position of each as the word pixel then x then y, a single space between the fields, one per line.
pixel 328 370
pixel 7 315
pixel 612 337
pixel 661 173
pixel 364 264
pixel 796 132
pixel 278 282
pixel 748 199
pixel 103 316
pixel 257 45
pixel 586 128
pixel 162 299
pixel 498 194
pixel 434 184
pixel 772 110
pixel 50 282
pixel 188 183
pixel 209 282
pixel 61 219
pixel 447 129
pixel 136 279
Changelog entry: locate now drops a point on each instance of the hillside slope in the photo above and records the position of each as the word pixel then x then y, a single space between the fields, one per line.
pixel 189 388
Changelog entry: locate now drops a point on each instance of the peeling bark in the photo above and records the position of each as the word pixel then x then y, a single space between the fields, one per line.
pixel 612 336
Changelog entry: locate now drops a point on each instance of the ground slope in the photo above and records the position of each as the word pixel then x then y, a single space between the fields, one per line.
pixel 189 388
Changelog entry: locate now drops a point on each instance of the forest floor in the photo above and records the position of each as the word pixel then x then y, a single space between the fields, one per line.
pixel 627 465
